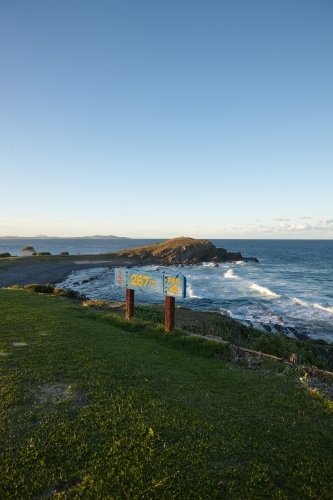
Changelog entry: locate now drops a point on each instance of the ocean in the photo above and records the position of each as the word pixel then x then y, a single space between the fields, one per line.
pixel 290 290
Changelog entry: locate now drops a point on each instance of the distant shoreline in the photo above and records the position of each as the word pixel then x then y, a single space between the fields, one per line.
pixel 42 237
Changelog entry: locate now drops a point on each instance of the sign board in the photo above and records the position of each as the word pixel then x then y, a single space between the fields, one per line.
pixel 164 283
pixel 174 285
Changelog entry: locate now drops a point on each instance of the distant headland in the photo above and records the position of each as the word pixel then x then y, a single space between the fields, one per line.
pixel 44 237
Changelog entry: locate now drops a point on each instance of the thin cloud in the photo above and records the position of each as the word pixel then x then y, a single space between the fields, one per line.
pixel 325 221
pixel 280 219
pixel 304 217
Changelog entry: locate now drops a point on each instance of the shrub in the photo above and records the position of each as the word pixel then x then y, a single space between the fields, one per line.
pixel 67 292
pixel 64 253
pixel 35 287
pixel 276 344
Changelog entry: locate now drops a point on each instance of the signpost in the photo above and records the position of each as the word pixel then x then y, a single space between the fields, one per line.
pixel 169 284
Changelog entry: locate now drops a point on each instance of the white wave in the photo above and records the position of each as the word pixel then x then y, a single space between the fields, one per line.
pixel 315 305
pixel 230 274
pixel 327 309
pixel 300 302
pixel 264 291
pixel 226 312
pixel 191 294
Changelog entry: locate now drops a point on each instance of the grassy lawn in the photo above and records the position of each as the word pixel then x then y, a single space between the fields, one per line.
pixel 94 408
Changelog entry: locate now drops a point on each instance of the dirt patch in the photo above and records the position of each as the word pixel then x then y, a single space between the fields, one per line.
pixel 62 487
pixel 103 304
pixel 52 394
pixel 315 385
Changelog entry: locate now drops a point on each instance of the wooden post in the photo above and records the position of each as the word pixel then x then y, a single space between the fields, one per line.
pixel 169 313
pixel 129 303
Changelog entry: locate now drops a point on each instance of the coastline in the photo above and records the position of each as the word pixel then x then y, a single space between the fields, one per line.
pixel 24 273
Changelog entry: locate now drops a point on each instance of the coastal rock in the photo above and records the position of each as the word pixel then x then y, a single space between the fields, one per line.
pixel 4 255
pixel 181 251
pixel 250 259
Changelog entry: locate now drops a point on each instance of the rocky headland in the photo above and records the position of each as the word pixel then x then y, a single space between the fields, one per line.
pixel 182 251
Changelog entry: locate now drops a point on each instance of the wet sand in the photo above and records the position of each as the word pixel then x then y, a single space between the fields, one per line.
pixel 23 273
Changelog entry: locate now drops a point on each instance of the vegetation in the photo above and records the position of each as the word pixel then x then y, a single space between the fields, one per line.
pixel 50 289
pixel 96 407
pixel 176 250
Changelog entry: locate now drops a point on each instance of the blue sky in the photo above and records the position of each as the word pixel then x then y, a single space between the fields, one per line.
pixel 154 118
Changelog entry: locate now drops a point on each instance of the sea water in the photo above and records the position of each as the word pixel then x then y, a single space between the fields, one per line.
pixel 290 289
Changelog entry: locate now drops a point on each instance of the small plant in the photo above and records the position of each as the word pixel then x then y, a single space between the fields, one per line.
pixel 67 292
pixel 35 287
pixel 149 313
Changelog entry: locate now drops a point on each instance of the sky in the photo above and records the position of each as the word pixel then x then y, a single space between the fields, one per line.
pixel 157 119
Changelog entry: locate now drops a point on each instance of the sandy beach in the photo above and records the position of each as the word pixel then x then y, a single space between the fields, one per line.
pixel 24 273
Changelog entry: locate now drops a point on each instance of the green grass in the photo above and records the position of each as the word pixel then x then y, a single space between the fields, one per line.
pixel 94 407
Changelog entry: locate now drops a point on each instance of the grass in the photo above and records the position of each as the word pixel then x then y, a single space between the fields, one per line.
pixel 94 407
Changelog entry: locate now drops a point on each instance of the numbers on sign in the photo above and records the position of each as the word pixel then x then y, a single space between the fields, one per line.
pixel 133 279
pixel 140 280
pixel 173 289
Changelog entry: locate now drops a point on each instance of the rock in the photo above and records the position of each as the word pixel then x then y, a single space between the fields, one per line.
pixel 43 253
pixel 233 256
pixel 64 253
pixel 180 251
pixel 250 259
pixel 4 255
pixel 28 249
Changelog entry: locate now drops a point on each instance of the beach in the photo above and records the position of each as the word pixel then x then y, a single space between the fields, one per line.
pixel 21 272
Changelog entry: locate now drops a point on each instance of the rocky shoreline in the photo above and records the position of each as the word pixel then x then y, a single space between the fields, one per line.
pixel 177 251
pixel 183 251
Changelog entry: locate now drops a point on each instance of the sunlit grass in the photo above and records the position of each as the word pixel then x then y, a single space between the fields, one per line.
pixel 94 407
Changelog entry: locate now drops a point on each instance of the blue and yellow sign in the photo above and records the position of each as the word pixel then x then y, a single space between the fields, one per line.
pixel 174 285
pixel 151 281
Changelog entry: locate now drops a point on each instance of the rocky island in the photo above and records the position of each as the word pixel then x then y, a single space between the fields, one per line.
pixel 182 251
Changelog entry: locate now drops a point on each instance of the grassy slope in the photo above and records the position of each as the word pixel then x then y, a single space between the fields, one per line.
pixel 94 410
pixel 160 249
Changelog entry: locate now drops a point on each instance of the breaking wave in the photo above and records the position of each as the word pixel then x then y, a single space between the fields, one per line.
pixel 264 291
pixel 191 293
pixel 230 274
pixel 303 303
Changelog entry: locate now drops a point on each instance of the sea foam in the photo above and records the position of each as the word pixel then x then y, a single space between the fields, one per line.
pixel 191 294
pixel 230 274
pixel 303 303
pixel 264 291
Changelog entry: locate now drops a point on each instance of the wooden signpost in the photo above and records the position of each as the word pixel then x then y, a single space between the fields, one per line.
pixel 169 284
